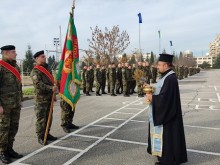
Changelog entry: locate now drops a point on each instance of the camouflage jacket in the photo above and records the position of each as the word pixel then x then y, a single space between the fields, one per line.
pixel 98 75
pixel 42 85
pixel 112 75
pixel 88 76
pixel 119 74
pixel 10 87
pixel 83 75
pixel 103 71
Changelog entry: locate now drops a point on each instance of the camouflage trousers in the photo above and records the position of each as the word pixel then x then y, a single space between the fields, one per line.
pixel 9 122
pixel 108 85
pixel 119 86
pixel 42 110
pixel 125 86
pixel 97 86
pixel 103 85
pixel 87 87
pixel 84 86
pixel 140 89
pixel 67 113
pixel 112 87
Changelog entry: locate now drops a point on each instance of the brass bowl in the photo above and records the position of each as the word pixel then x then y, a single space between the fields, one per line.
pixel 148 89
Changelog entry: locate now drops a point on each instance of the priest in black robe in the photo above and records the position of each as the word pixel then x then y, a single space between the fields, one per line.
pixel 167 115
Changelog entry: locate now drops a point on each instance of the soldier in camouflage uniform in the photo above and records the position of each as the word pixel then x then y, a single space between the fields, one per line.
pixel 88 80
pixel 10 103
pixel 133 81
pixel 176 70
pixel 124 80
pixel 147 71
pixel 103 72
pixel 91 72
pixel 84 79
pixel 107 77
pixel 128 77
pixel 186 71
pixel 119 85
pixel 44 88
pixel 98 79
pixel 181 72
pixel 112 79
pixel 139 84
pixel 154 73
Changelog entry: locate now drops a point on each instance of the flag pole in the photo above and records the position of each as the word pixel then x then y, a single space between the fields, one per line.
pixel 49 118
pixel 171 49
pixel 140 38
pixel 159 42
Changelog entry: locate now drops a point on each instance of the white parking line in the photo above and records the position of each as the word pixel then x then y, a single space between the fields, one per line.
pixel 204 152
pixel 108 118
pixel 210 128
pixel 107 126
pixel 218 97
pixel 126 113
pixel 66 148
pixel 126 141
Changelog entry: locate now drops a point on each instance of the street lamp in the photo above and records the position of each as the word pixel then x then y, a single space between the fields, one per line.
pixel 56 42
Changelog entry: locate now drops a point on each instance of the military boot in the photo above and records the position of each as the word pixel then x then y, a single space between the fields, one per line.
pixel 50 137
pixel 73 126
pixel 4 158
pixel 97 94
pixel 87 94
pixel 11 153
pixel 66 129
pixel 113 94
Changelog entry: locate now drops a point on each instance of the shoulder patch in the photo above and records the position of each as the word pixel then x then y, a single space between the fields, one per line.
pixel 34 77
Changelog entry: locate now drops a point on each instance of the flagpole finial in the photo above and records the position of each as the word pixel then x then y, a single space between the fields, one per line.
pixel 73 7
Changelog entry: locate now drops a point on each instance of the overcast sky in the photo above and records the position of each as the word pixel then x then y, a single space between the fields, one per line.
pixel 189 24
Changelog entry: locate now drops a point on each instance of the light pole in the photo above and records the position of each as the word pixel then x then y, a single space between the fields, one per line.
pixel 56 42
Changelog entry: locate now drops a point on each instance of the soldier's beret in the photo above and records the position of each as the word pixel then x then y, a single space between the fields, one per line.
pixel 166 58
pixel 8 47
pixel 38 53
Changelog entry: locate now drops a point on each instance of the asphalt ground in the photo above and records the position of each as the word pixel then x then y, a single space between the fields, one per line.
pixel 113 130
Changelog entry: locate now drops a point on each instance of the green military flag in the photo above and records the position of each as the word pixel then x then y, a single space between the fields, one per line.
pixel 68 72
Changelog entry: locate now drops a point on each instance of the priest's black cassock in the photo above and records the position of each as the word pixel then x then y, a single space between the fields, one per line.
pixel 167 112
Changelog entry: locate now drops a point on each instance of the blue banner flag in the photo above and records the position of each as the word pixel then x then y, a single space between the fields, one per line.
pixel 171 43
pixel 140 18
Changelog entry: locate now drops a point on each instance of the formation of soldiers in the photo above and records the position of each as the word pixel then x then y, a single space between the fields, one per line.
pixel 120 80
pixel 184 71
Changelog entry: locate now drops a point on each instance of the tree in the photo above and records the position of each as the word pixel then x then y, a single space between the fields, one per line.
pixel 205 65
pixel 151 58
pixel 51 62
pixel 97 59
pixel 107 44
pixel 216 63
pixel 28 62
pixel 164 51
